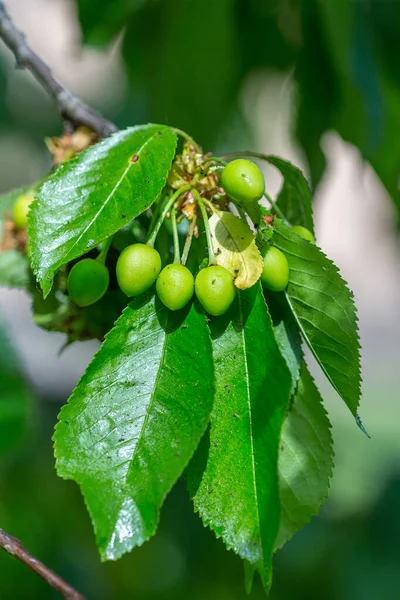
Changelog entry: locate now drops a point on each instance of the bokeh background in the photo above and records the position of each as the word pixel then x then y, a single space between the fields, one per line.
pixel 316 82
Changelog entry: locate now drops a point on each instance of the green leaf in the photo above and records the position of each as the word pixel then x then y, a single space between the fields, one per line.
pixel 92 196
pixel 135 419
pixel 14 269
pixel 305 459
pixel 325 312
pixel 235 489
pixel 286 333
pixel 15 396
pixel 235 248
pixel 294 198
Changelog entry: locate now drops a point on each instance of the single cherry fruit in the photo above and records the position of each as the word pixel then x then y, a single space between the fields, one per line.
pixel 304 233
pixel 87 282
pixel 275 275
pixel 21 209
pixel 243 181
pixel 175 286
pixel 138 266
pixel 215 290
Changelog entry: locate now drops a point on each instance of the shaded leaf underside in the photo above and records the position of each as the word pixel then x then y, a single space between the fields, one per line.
pixel 305 459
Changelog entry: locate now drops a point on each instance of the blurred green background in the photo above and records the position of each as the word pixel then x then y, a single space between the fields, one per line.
pixel 315 81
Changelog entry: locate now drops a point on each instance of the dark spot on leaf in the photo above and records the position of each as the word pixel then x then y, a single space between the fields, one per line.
pixel 134 158
pixel 123 216
pixel 211 491
pixel 236 271
pixel 66 422
pixel 282 448
pixel 177 453
pixel 215 443
pixel 232 495
pixel 227 387
pixel 214 281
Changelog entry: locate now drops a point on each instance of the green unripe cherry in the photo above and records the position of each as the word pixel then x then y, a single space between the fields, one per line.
pixel 87 282
pixel 175 286
pixel 215 290
pixel 138 266
pixel 304 233
pixel 275 275
pixel 21 209
pixel 243 181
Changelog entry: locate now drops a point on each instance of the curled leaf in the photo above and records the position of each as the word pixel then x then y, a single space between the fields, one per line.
pixel 235 249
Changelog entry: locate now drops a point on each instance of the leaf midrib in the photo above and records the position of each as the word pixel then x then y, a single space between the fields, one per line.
pixel 250 423
pixel 107 200
pixel 146 419
pixel 319 361
pixel 243 262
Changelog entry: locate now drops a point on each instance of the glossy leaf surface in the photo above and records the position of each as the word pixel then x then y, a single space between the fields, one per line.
pixel 324 309
pixel 135 419
pixel 235 488
pixel 95 194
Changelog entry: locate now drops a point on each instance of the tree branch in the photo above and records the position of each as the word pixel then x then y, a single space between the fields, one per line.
pixel 71 109
pixel 15 548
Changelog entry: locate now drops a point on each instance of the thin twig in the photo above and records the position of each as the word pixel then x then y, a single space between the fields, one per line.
pixel 72 110
pixel 15 548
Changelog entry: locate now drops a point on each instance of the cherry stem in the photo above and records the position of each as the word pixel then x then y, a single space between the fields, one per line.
pixel 104 250
pixel 276 208
pixel 242 213
pixel 216 160
pixel 188 241
pixel 210 205
pixel 167 208
pixel 188 138
pixel 211 255
pixel 177 251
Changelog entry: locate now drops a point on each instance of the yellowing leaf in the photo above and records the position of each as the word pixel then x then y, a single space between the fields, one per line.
pixel 235 249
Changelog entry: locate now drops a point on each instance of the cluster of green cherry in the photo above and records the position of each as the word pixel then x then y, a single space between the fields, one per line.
pixel 139 265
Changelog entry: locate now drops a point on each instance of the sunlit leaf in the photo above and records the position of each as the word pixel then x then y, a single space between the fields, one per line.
pixel 233 477
pixel 325 312
pixel 93 195
pixel 135 419
pixel 235 249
